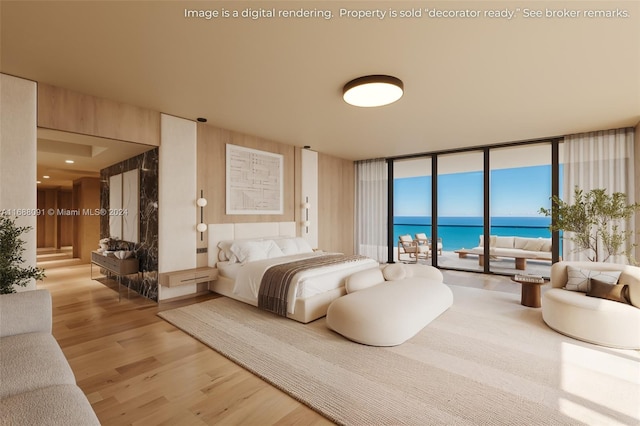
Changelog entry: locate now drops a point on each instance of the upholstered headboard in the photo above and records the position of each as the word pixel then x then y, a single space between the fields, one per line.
pixel 236 231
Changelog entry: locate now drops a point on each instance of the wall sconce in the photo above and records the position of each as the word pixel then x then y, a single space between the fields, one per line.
pixel 306 222
pixel 201 202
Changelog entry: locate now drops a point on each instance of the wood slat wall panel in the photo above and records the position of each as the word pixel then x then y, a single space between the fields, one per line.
pixel 212 173
pixel 336 202
pixel 62 109
pixel 335 186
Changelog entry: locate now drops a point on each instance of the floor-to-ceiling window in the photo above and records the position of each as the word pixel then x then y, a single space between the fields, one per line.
pixel 520 184
pixel 460 202
pixel 412 219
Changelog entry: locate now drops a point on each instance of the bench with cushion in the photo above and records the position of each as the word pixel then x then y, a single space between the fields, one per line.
pixel 386 307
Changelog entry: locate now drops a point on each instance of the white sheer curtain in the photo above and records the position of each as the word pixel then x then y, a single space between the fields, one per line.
pixel 371 209
pixel 605 160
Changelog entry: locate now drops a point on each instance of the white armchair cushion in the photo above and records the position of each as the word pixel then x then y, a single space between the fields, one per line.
pixel 580 279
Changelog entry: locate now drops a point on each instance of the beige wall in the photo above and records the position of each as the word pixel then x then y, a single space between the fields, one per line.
pixel 336 204
pixel 335 187
pixel 177 194
pixel 86 196
pixel 212 173
pixel 18 157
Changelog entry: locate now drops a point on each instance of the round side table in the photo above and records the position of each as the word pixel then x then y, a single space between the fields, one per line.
pixel 530 293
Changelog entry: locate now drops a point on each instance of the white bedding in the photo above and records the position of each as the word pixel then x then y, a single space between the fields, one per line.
pixel 305 284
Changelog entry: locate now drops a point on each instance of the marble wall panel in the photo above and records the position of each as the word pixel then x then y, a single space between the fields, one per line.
pixel 146 250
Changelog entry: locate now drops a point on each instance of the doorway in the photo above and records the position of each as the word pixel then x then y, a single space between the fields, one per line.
pixel 69 193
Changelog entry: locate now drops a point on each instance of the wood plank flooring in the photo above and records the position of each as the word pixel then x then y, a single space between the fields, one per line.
pixel 137 369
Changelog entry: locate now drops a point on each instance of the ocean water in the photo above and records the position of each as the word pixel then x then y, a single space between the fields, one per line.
pixel 464 232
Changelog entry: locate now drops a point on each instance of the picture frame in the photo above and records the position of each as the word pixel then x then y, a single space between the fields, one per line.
pixel 254 181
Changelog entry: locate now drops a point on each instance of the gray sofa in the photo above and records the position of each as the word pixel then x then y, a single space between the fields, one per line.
pixel 37 384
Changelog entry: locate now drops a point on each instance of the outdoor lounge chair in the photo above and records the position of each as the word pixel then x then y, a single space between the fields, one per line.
pixel 407 246
pixel 422 239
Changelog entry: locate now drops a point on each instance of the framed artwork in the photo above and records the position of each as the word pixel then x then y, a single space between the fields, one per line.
pixel 254 181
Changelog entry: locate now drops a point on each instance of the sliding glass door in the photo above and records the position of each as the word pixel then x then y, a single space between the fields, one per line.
pixel 460 201
pixel 520 184
pixel 412 180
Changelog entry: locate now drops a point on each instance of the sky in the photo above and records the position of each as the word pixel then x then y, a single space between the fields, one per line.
pixel 514 192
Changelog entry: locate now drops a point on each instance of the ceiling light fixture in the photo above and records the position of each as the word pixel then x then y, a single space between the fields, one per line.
pixel 45 177
pixel 373 91
pixel 69 161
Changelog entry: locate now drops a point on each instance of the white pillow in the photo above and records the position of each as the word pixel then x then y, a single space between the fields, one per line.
pixel 394 272
pixel 533 245
pixel 504 242
pixel 225 250
pixel 492 241
pixel 287 245
pixel 303 245
pixel 546 244
pixel 250 251
pixel 363 279
pixel 580 279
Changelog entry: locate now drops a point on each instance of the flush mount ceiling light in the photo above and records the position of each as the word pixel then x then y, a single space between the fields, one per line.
pixel 373 91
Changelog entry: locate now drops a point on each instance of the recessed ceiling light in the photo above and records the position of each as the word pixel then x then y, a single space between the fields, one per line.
pixel 38 181
pixel 69 161
pixel 373 91
pixel 45 177
pixel 201 119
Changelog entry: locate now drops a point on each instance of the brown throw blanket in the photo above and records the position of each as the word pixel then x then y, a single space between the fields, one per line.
pixel 276 281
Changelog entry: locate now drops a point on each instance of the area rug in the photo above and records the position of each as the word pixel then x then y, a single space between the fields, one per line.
pixel 486 361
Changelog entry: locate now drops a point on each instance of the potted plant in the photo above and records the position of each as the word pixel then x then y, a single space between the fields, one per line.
pixel 13 272
pixel 593 222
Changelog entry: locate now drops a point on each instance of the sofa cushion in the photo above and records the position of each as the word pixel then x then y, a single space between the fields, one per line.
pixel 31 361
pixel 579 279
pixel 55 405
pixel 604 290
pixel 533 244
pixel 492 241
pixel 363 279
pixel 19 316
pixel 394 272
pixel 505 242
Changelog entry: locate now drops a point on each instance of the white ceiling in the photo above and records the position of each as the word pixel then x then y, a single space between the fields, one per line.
pixel 467 81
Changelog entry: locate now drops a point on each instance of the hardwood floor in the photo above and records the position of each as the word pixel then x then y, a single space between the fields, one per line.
pixel 137 369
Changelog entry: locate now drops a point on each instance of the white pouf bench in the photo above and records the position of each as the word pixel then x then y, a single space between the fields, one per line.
pixel 388 306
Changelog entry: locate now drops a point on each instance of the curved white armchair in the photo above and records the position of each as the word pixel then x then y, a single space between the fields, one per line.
pixel 593 319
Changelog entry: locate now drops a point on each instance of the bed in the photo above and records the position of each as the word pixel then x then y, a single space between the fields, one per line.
pixel 238 251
